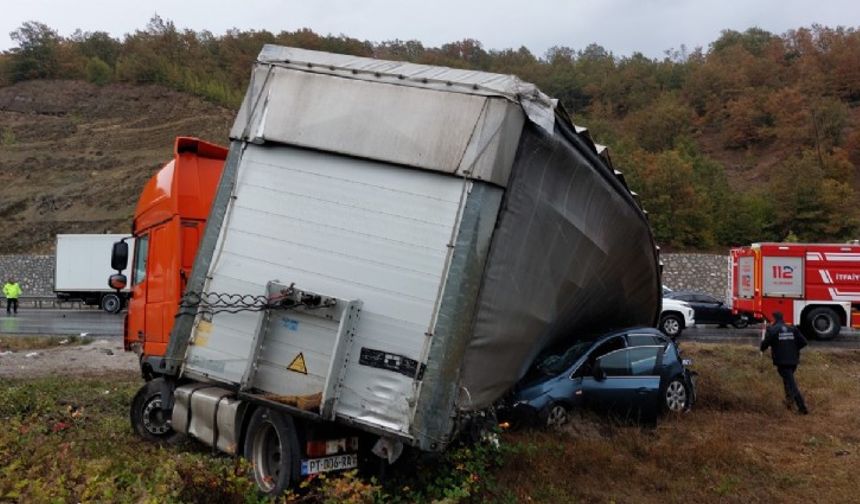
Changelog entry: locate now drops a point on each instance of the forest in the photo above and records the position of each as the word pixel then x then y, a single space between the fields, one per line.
pixel 753 138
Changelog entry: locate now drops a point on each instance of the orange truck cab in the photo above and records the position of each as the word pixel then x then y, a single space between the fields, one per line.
pixel 168 224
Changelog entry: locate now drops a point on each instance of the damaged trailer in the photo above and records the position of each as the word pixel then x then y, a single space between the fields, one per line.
pixel 389 248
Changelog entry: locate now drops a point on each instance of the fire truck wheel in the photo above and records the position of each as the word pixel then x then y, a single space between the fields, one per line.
pixel 147 418
pixel 823 323
pixel 272 449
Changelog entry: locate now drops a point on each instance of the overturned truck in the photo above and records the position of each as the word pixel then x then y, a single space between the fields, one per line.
pixel 389 248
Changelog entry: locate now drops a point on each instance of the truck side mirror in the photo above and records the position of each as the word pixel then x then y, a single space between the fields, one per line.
pixel 119 256
pixel 117 281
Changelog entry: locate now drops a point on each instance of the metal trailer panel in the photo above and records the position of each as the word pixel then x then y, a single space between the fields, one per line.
pixel 572 255
pixel 350 228
pixel 434 418
pixel 458 133
pixel 83 262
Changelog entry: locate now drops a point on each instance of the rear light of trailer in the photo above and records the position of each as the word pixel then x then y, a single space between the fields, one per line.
pixel 323 447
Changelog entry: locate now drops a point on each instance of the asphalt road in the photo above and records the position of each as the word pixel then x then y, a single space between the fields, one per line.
pixel 99 323
pixel 61 322
pixel 849 339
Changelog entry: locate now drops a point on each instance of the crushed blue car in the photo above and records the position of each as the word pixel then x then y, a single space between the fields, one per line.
pixel 634 374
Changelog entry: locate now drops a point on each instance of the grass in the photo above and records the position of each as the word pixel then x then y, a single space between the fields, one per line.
pixel 739 444
pixel 68 440
pixel 37 342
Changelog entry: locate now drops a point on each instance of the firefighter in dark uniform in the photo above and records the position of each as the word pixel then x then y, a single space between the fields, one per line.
pixel 785 343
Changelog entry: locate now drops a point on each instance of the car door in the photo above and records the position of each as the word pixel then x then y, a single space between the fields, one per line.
pixel 626 382
pixel 711 308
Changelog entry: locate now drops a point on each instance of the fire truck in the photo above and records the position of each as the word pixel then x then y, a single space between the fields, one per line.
pixel 815 286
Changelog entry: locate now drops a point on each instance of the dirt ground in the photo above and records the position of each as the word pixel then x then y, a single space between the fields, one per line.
pixel 98 357
pixel 74 156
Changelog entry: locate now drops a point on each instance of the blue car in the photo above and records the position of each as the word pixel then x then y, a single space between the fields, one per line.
pixel 633 374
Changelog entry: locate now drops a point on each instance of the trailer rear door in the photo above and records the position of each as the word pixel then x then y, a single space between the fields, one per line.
pixel 351 229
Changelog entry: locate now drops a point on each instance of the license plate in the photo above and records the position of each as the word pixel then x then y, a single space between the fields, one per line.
pixel 326 464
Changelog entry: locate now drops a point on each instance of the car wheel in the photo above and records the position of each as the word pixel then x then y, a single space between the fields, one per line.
pixel 671 325
pixel 148 418
pixel 556 416
pixel 824 323
pixel 272 448
pixel 741 321
pixel 676 396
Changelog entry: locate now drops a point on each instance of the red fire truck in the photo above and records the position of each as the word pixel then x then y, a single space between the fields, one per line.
pixel 815 286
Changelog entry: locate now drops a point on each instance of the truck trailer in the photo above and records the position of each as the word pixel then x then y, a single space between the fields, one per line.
pixel 80 268
pixel 815 286
pixel 387 249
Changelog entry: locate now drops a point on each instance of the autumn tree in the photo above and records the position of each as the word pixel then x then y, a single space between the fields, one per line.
pixel 36 56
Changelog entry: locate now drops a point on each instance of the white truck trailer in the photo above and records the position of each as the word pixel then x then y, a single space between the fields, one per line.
pixel 390 247
pixel 81 269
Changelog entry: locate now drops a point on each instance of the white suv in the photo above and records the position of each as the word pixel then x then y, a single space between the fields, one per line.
pixel 675 317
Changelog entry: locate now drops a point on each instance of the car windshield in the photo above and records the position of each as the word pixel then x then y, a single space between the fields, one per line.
pixel 553 365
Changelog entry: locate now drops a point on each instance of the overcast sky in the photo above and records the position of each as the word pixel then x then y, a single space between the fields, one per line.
pixel 622 26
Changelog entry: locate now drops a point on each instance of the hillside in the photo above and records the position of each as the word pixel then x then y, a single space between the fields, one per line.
pixel 754 138
pixel 74 156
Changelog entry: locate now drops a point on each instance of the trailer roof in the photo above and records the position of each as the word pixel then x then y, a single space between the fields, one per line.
pixel 463 122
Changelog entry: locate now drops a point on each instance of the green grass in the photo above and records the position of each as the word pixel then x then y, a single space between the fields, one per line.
pixel 68 439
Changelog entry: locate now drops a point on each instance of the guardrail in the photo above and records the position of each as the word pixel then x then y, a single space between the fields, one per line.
pixel 49 302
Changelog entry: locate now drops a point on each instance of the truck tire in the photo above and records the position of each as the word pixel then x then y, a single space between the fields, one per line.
pixel 823 323
pixel 672 325
pixel 148 419
pixel 272 449
pixel 111 303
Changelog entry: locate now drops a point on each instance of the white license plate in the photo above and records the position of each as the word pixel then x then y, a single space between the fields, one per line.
pixel 326 464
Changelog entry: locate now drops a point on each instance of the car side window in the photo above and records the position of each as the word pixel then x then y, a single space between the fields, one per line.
pixel 604 348
pixel 608 346
pixel 685 297
pixel 636 340
pixel 615 363
pixel 643 360
pixel 638 361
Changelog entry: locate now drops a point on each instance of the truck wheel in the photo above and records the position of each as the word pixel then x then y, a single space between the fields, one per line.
pixel 272 448
pixel 671 325
pixel 148 420
pixel 111 303
pixel 824 323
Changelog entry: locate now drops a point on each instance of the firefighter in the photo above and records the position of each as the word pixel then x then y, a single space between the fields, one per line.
pixel 785 343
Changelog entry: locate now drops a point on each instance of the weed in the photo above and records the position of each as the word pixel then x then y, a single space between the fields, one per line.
pixel 7 138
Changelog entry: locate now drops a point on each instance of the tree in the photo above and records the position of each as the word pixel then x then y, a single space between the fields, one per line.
pixel 98 72
pixel 36 54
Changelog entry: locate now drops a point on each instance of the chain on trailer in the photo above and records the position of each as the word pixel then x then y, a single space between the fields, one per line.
pixel 209 304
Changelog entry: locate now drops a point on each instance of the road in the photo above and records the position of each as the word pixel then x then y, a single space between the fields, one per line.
pixel 62 322
pixel 847 339
pixel 99 323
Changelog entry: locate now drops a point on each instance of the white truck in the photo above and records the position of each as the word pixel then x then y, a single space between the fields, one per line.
pixel 389 248
pixel 81 269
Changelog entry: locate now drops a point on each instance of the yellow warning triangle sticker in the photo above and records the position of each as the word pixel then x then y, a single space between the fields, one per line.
pixel 298 365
